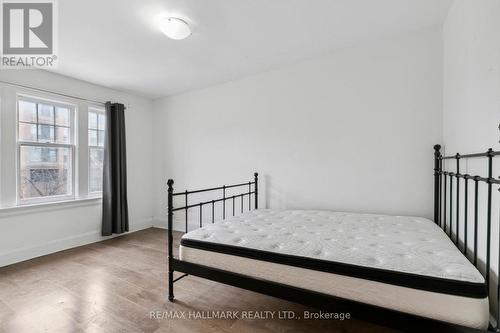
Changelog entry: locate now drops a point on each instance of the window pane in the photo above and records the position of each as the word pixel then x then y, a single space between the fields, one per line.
pixel 45 172
pixel 92 138
pixel 62 135
pixel 62 116
pixel 92 120
pixel 100 138
pixel 45 114
pixel 27 111
pixel 27 132
pixel 48 154
pixel 45 133
pixel 102 122
pixel 42 154
pixel 96 156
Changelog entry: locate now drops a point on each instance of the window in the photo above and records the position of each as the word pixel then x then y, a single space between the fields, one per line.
pixel 97 126
pixel 52 148
pixel 45 149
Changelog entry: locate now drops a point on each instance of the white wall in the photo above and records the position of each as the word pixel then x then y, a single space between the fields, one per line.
pixel 351 131
pixel 471 99
pixel 471 94
pixel 31 232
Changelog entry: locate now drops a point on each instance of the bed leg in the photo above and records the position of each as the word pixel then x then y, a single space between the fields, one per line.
pixel 171 285
pixel 170 240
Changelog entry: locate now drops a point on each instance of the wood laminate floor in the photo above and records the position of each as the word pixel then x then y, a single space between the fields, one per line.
pixel 114 285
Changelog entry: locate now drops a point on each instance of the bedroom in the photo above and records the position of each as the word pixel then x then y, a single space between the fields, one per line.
pixel 338 111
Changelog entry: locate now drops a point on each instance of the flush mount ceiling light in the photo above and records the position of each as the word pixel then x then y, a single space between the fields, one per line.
pixel 175 28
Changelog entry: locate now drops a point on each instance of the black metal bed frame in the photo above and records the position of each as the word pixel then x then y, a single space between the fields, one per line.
pixel 375 314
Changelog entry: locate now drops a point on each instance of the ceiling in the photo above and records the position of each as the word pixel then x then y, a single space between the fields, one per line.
pixel 117 43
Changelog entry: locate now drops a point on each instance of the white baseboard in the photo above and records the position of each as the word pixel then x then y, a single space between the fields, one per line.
pixel 30 252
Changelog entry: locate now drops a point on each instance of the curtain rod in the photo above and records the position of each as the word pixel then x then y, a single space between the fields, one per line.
pixel 52 92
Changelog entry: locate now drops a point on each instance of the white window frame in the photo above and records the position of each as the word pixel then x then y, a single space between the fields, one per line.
pixel 72 146
pixel 98 111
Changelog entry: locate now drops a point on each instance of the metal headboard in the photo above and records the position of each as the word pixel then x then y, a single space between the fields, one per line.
pixel 223 199
pixel 443 196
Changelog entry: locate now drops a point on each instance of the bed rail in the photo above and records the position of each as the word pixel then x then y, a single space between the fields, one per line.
pixel 448 208
pixel 199 205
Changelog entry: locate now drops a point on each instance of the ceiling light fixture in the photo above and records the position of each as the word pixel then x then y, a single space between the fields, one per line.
pixel 175 28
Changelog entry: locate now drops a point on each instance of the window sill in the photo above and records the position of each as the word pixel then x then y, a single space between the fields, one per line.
pixel 49 206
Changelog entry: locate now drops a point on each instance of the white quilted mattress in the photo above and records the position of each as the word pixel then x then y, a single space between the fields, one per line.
pixel 403 263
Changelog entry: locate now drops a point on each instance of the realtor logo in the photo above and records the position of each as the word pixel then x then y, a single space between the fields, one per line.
pixel 28 34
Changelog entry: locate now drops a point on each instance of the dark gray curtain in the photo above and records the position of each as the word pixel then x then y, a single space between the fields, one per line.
pixel 114 191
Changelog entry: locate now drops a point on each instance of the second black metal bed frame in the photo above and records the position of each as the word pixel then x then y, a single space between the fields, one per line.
pixel 447 212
